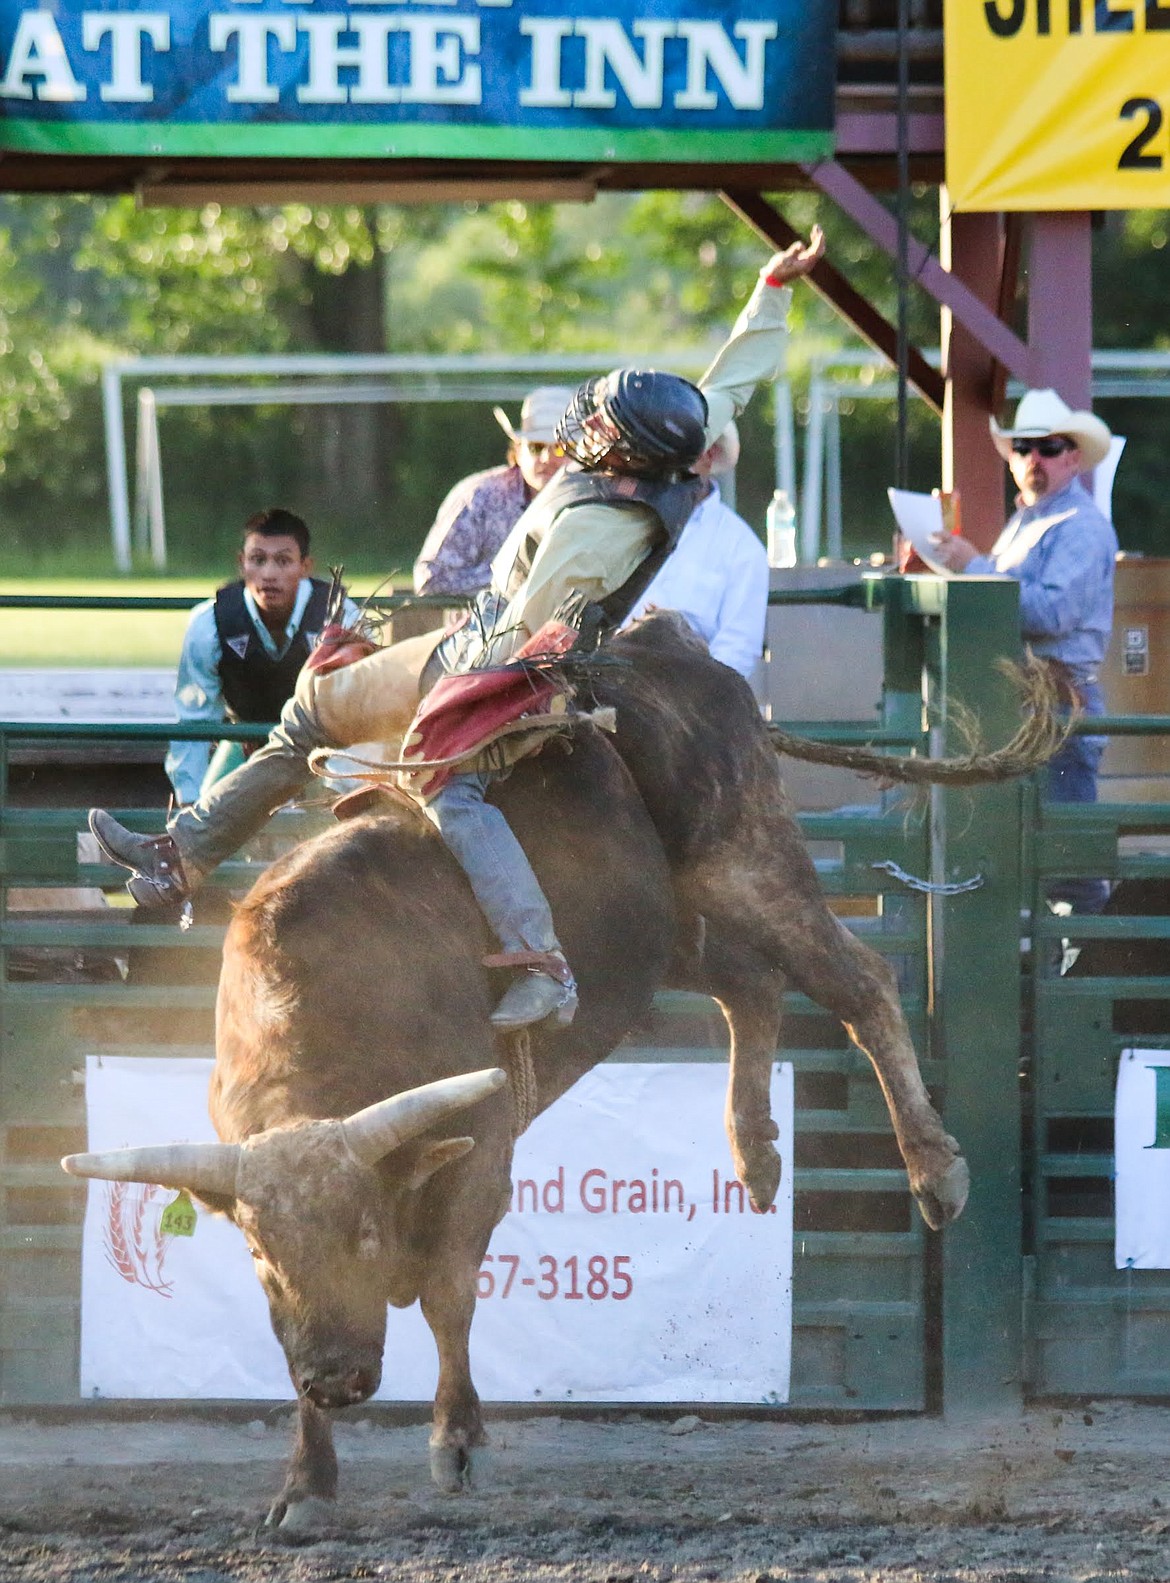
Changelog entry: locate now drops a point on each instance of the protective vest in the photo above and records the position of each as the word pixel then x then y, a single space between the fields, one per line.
pixel 670 499
pixel 255 686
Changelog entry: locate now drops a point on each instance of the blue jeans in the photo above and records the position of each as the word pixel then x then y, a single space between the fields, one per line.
pixel 1072 777
pixel 499 873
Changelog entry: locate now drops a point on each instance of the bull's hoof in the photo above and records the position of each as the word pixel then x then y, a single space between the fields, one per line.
pixel 943 1200
pixel 759 1168
pixel 299 1521
pixel 458 1468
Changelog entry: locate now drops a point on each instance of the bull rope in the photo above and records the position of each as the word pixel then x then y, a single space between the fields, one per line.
pixel 522 1080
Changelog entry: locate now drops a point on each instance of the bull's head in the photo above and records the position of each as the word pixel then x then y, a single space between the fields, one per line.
pixel 310 1200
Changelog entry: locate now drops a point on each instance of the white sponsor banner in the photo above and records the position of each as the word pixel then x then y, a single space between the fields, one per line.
pixel 1141 1143
pixel 631 1266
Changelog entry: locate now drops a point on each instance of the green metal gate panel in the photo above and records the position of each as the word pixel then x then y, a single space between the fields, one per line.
pixel 1091 1329
pixel 976 1021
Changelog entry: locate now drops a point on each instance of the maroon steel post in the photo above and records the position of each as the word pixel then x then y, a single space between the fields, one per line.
pixel 971 247
pixel 1060 305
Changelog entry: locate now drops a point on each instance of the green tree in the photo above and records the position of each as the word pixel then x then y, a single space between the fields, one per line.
pixel 83 279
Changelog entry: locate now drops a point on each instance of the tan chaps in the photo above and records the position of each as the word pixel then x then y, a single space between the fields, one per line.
pixel 372 700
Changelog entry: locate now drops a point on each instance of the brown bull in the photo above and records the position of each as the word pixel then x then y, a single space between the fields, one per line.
pixel 352 972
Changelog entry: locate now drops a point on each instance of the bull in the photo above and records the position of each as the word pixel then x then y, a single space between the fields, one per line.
pixel 367 1132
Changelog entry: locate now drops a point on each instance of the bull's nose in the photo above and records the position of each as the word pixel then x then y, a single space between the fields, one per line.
pixel 327 1389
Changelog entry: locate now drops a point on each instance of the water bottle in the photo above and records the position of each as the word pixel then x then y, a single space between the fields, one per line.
pixel 780 522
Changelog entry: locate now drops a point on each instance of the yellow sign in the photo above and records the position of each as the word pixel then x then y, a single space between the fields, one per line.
pixel 1058 104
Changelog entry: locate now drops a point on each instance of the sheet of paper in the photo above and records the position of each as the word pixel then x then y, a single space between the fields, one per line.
pixel 1103 475
pixel 919 519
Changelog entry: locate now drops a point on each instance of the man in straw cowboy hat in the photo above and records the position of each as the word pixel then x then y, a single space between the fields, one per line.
pixel 1061 550
pixel 481 510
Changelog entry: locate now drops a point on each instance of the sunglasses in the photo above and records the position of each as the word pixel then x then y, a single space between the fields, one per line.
pixel 539 448
pixel 1051 445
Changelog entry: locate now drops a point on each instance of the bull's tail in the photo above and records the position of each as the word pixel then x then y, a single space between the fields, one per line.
pixel 1049 714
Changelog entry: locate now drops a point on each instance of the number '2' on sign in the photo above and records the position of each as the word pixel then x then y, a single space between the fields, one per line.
pixel 1148 117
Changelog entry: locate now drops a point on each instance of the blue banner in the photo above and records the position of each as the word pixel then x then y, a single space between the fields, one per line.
pixel 693 80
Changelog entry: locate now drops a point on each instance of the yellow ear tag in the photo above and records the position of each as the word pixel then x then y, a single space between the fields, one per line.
pixel 179 1217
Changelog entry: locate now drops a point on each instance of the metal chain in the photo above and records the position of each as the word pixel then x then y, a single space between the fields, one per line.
pixel 912 882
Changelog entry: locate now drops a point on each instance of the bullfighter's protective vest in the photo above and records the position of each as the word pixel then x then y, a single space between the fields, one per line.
pixel 255 686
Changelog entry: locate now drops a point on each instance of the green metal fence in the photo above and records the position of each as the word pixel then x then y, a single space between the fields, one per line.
pixel 886 1314
pixel 1092 1328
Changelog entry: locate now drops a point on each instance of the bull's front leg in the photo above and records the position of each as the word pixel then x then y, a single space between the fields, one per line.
pixel 750 997
pixel 457 1432
pixel 750 991
pixel 305 1505
pixel 752 1013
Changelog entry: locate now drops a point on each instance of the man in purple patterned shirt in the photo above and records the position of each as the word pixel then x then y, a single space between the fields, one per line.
pixel 481 510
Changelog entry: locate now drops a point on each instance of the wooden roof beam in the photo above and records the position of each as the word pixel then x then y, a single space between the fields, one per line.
pixel 830 284
pixel 996 338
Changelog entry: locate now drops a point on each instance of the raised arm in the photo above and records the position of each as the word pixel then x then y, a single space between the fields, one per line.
pixel 754 352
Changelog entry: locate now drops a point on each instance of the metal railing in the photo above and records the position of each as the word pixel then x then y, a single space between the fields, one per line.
pixel 1098 985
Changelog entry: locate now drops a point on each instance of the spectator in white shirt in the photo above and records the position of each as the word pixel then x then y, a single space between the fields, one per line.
pixel 717 574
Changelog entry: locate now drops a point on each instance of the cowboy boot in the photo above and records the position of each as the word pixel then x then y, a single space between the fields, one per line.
pixel 157 878
pixel 538 994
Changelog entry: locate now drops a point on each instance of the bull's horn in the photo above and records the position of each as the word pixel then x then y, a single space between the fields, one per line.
pixel 372 1133
pixel 203 1167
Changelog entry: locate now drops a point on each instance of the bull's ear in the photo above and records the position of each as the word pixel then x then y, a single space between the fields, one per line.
pixel 217 1203
pixel 433 1157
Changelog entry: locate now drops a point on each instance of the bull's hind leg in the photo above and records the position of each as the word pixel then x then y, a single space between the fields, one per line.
pixel 305 1504
pixel 849 979
pixel 773 906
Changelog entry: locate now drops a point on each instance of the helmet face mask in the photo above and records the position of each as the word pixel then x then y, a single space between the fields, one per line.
pixel 635 421
pixel 599 436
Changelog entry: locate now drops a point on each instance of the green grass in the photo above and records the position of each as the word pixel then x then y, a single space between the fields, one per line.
pixel 80 639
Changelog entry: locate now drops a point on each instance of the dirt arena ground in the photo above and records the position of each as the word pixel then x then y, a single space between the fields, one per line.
pixel 1056 1493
